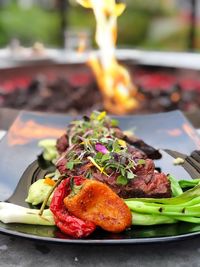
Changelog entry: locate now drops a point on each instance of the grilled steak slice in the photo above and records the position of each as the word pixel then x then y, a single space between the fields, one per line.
pixel 95 149
pixel 150 151
pixel 62 143
pixel 147 183
pixel 140 145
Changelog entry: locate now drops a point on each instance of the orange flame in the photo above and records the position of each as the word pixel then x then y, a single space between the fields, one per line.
pixel 82 44
pixel 113 79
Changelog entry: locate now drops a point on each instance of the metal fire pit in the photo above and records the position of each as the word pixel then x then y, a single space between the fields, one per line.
pixel 164 75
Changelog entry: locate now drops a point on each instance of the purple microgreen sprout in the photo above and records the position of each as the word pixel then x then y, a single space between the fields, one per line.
pixel 101 148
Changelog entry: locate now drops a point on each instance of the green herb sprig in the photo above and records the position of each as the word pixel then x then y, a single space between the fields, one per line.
pixel 99 129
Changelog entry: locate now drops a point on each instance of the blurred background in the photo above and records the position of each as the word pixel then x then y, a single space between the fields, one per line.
pixel 41 67
pixel 150 24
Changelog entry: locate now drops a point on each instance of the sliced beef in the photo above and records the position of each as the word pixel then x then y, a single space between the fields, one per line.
pixel 62 143
pixel 136 153
pixel 77 170
pixel 151 152
pixel 158 187
pixel 147 183
pixel 61 165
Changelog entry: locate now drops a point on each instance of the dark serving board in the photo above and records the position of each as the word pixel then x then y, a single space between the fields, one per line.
pixel 19 168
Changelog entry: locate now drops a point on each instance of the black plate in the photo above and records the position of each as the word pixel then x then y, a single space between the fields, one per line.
pixel 18 169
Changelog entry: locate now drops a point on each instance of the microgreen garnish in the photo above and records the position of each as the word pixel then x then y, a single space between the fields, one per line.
pixel 122 180
pixel 130 175
pixel 105 158
pixel 93 141
pixel 70 165
pixel 114 123
pixel 141 162
pixel 101 116
pixel 71 183
pixel 97 165
pixel 100 148
pixel 74 188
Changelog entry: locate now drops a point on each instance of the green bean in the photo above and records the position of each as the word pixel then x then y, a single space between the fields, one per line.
pixel 188 184
pixel 150 219
pixel 175 186
pixel 183 198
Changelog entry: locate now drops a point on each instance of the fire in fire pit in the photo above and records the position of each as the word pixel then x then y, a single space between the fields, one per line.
pixel 77 93
pixel 72 88
pixel 119 93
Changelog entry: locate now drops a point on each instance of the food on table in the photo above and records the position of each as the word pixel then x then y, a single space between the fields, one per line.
pixel 95 147
pixel 104 178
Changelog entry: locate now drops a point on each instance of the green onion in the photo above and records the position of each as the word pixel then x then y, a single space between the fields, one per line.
pixel 185 207
pixel 175 186
pixel 150 219
pixel 188 184
pixel 11 213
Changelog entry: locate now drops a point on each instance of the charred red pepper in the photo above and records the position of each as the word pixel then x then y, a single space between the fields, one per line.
pixel 68 223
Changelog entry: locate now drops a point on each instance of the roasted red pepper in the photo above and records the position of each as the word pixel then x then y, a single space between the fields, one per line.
pixel 68 223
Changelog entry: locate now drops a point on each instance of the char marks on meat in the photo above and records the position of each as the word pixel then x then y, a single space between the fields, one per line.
pixel 150 151
pixel 146 181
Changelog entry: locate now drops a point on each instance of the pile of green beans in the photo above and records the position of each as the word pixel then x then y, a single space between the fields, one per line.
pixel 184 206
